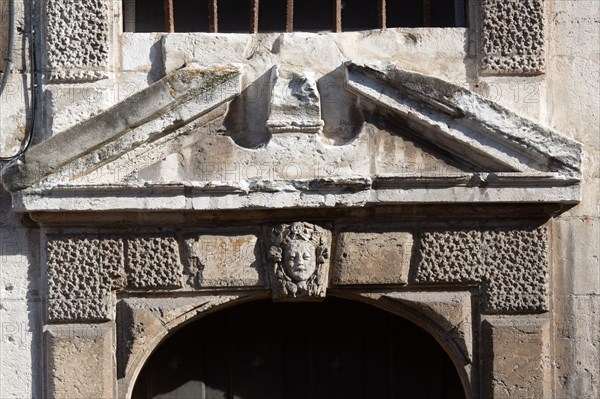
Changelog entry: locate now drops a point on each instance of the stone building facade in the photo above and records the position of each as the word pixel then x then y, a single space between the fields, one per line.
pixel 448 176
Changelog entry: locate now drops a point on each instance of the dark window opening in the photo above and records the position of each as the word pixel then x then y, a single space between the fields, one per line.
pixel 252 16
pixel 309 18
pixel 272 15
pixel 360 14
pixel 407 13
pixel 187 15
pixel 234 16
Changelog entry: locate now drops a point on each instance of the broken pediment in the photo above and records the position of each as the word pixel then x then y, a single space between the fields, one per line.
pixel 418 140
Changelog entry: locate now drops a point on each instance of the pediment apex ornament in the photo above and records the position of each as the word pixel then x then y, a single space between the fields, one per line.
pixel 298 261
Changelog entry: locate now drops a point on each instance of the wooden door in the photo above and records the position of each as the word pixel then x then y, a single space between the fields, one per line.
pixel 334 349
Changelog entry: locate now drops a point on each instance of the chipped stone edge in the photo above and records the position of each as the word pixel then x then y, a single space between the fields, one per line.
pixel 149 104
pixel 501 135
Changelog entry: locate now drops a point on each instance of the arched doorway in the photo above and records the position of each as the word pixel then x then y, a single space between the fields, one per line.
pixel 332 349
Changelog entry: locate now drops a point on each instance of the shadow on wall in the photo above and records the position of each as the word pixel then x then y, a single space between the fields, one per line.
pixel 248 113
pixel 246 119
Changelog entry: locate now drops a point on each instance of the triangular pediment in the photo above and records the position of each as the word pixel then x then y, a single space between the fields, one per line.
pixel 420 140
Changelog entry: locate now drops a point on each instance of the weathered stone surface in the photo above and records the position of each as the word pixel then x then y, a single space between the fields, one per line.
pixel 138 331
pixel 82 272
pixel 474 129
pixel 566 99
pixel 512 265
pixel 516 270
pixel 517 358
pixel 451 312
pixel 450 257
pixel 80 361
pixel 153 262
pixel 298 261
pixel 180 97
pixel 576 337
pixel 512 36
pixel 224 261
pixel 295 104
pixel 77 39
pixel 372 258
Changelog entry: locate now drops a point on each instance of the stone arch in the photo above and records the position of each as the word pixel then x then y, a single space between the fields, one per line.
pixel 433 320
pixel 424 322
pixel 143 342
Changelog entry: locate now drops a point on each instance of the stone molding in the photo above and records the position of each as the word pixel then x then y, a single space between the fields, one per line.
pixel 144 322
pixel 512 37
pixel 77 40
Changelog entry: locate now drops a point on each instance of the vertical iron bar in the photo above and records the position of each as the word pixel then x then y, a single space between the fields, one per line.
pixel 426 13
pixel 169 16
pixel 129 16
pixel 254 23
pixel 337 11
pixel 289 22
pixel 382 14
pixel 213 18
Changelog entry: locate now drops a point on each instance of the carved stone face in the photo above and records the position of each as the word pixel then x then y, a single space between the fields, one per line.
pixel 299 260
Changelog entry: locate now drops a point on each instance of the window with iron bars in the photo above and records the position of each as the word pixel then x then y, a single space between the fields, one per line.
pixel 255 16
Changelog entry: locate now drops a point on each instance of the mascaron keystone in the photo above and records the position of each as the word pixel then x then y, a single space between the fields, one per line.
pixel 298 261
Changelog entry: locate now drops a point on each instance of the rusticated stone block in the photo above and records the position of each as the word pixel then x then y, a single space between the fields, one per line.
pixel 82 272
pixel 517 362
pixel 516 269
pixel 77 39
pixel 450 257
pixel 224 261
pixel 153 262
pixel 512 38
pixel 511 265
pixel 80 361
pixel 372 258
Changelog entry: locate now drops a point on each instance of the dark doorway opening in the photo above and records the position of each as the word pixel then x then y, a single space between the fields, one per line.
pixel 335 349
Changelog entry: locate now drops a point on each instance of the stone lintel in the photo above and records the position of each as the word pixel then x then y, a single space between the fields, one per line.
pixel 223 261
pixel 372 258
